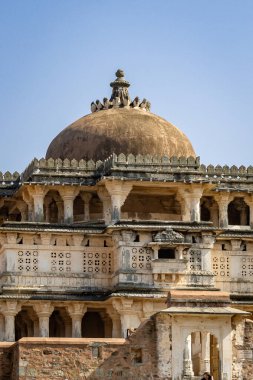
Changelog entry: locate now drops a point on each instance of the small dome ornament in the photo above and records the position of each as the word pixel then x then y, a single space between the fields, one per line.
pixel 120 97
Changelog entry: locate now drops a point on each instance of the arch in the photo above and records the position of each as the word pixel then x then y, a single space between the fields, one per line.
pixel 96 208
pixel 53 207
pixel 60 324
pixel 96 324
pixel 26 323
pixel 238 212
pixel 78 209
pixel 141 205
pixel 201 354
pixel 209 210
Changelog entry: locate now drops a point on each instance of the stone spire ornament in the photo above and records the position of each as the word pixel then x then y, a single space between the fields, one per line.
pixel 120 97
pixel 120 86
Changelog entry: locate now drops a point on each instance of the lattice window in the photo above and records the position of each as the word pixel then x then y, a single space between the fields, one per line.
pixel 97 262
pixel 194 259
pixel 141 257
pixel 60 261
pixel 246 269
pixel 27 261
pixel 221 266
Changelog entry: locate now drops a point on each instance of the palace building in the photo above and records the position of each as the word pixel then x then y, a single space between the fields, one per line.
pixel 123 257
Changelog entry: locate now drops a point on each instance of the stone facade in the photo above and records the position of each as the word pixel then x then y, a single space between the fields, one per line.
pixel 90 249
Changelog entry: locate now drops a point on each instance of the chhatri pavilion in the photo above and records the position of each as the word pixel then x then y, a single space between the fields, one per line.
pixel 123 257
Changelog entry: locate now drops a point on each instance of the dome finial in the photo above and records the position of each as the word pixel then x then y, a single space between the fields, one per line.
pixel 120 96
pixel 120 86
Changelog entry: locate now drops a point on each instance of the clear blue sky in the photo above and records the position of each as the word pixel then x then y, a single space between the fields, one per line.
pixel 193 59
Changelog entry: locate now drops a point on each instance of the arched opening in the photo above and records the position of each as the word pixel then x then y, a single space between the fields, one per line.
pixel 201 354
pixel 15 215
pixel 96 324
pixel 78 209
pixel 60 324
pixel 141 205
pixel 238 212
pixel 4 214
pixel 26 323
pixel 96 208
pixel 53 207
pixel 209 210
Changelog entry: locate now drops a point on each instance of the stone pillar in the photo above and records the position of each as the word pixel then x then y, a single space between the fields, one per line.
pixel 44 311
pixel 250 204
pixel 38 199
pixel 76 312
pixel 223 201
pixel 129 317
pixel 10 327
pixel 22 206
pixel 116 326
pixel 206 248
pixel 243 216
pixel 10 309
pixel 106 199
pixel 118 191
pixel 47 210
pixel 188 371
pixel 214 214
pixel 68 195
pixel 191 203
pixel 205 352
pixel 86 197
pixel 60 208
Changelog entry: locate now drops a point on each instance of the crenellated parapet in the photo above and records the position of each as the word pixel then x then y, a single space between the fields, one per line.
pixel 9 178
pixel 137 167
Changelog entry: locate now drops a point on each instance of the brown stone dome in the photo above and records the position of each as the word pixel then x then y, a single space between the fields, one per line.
pixel 119 130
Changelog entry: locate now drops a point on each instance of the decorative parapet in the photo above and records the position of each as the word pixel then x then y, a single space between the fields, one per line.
pixel 8 178
pixel 232 171
pixel 60 167
pixel 148 167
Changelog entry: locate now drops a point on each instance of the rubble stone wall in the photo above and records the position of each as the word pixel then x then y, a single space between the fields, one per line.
pixel 74 358
pixel 6 360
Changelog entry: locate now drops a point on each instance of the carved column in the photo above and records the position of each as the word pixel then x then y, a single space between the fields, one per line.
pixel 106 199
pixel 243 218
pixel 29 201
pixel 191 203
pixel 22 206
pixel 208 241
pixel 223 201
pixel 188 370
pixel 130 319
pixel 86 197
pixel 249 202
pixel 68 195
pixel 76 312
pixel 10 309
pixel 205 352
pixel 118 191
pixel 116 326
pixel 38 198
pixel 37 194
pixel 44 311
pixel 47 210
pixel 60 208
pixel 214 214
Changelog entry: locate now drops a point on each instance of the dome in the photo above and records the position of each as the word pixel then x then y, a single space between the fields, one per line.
pixel 121 130
pixel 118 126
